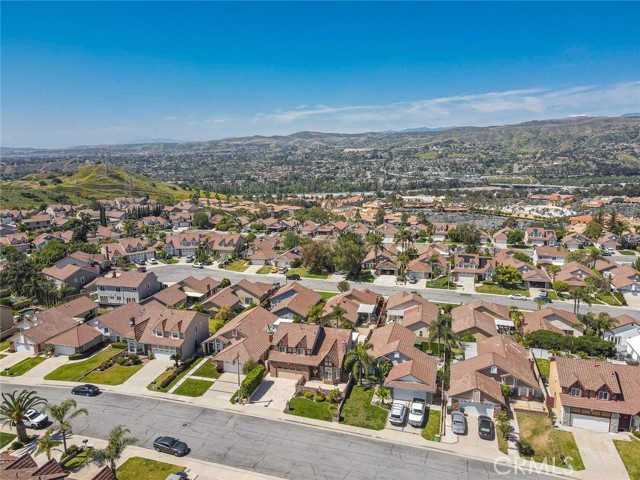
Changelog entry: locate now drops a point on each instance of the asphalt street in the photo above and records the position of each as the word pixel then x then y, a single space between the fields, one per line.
pixel 282 449
pixel 176 272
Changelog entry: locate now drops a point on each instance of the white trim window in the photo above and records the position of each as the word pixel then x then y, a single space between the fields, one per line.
pixel 603 395
pixel 282 348
pixel 576 392
pixel 175 335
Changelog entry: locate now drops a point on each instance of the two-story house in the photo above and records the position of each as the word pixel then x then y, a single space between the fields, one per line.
pixel 595 394
pixel 467 265
pixel 539 237
pixel 74 276
pixel 19 240
pixel 574 242
pixel 294 300
pixel 575 274
pixel 82 259
pixel 481 319
pixel 131 286
pixel 37 222
pixel 626 327
pixel 182 244
pixel 225 246
pixel 549 256
pixel 58 210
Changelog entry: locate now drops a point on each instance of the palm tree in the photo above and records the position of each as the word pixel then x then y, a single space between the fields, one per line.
pixel 337 314
pixel 63 414
pixel 598 325
pixel 433 259
pixel 358 360
pixel 46 444
pixel 593 256
pixel 176 358
pixel 403 238
pixel 383 394
pixel 403 259
pixel 15 406
pixel 315 313
pixel 375 241
pixel 578 295
pixel 382 370
pixel 117 442
pixel 439 328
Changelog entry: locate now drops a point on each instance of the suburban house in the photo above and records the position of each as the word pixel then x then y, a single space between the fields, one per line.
pixel 245 337
pixel 539 237
pixel 476 383
pixel 441 231
pixel 132 249
pixel 383 264
pixel 17 240
pixel 43 239
pixel 294 299
pixel 626 327
pixel 360 307
pixel 261 252
pixel 574 242
pixel 500 238
pixel 473 266
pixel 532 277
pixel 609 242
pixel 171 297
pixel 225 246
pixel 182 244
pixel 72 275
pixel 58 210
pixel 41 220
pixel 131 286
pixel 575 274
pixel 238 296
pixel 624 279
pixel 481 319
pixel 24 467
pixel 287 258
pixel 414 373
pixel 411 311
pixel 553 320
pixel 309 351
pixel 595 395
pixel 549 255
pixel 82 259
pixel 199 289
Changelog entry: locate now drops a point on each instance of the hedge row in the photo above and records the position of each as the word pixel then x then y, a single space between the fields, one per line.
pixel 252 381
pixel 592 346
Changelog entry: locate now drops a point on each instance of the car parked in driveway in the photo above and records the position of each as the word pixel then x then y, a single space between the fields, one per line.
pixel 197 265
pixel 189 259
pixel 458 423
pixel 417 413
pixel 87 389
pixel 517 296
pixel 153 261
pixel 486 428
pixel 171 445
pixel 398 413
pixel 34 419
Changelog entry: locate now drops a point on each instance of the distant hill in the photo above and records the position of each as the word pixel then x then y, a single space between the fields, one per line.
pixel 87 183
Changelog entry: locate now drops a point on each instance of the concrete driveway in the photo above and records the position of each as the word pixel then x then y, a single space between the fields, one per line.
pixel 472 443
pixel 224 387
pixel 599 454
pixel 633 301
pixel 274 392
pixel 406 427
pixel 12 358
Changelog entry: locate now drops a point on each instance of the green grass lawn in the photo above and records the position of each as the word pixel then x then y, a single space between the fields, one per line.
pixel 23 366
pixel 5 344
pixel 503 443
pixel 547 442
pixel 630 454
pixel 431 347
pixel 115 375
pixel 364 277
pixel 358 411
pixel 543 366
pixel 432 428
pixel 440 283
pixel 497 290
pixel 137 468
pixel 72 372
pixel 326 295
pixel 76 463
pixel 207 369
pixel 193 388
pixel 303 407
pixel 264 270
pixel 607 298
pixel 166 374
pixel 237 266
pixel 304 272
pixel 2 356
pixel 626 252
pixel 552 295
pixel 6 438
pixel 169 261
pixel 215 325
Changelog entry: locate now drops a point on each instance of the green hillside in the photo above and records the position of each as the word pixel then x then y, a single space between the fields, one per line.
pixel 87 183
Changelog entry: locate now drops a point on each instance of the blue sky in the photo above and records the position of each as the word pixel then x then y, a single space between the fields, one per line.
pixel 92 73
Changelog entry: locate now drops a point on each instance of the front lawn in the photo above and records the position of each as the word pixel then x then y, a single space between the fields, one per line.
pixel 432 428
pixel 115 375
pixel 264 270
pixel 71 372
pixel 547 442
pixel 6 439
pixel 630 454
pixel 215 325
pixel 304 272
pixel 5 344
pixel 358 411
pixel 440 283
pixel 237 266
pixel 498 290
pixel 607 298
pixel 137 468
pixel 543 366
pixel 2 355
pixel 626 252
pixel 208 370
pixel 167 373
pixel 193 388
pixel 23 366
pixel 169 261
pixel 326 295
pixel 364 276
pixel 76 463
pixel 552 295
pixel 304 407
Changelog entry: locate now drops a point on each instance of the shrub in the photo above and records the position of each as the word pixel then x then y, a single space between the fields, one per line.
pixel 249 366
pixel 319 398
pixel 76 356
pixel 73 448
pixel 468 337
pixel 251 381
pixel 120 345
pixel 636 433
pixel 17 445
pixel 334 395
pixel 506 390
pixel 308 395
pixel 151 356
pixel 122 361
pixel 524 448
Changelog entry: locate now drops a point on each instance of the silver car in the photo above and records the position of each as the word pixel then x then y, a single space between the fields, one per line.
pixel 398 413
pixel 458 423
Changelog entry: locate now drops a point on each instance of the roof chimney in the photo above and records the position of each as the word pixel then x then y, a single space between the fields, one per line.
pixel 208 288
pixel 132 321
pixel 344 347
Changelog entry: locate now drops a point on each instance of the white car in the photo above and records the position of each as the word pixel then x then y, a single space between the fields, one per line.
pixel 398 412
pixel 417 413
pixel 153 261
pixel 197 265
pixel 517 296
pixel 35 419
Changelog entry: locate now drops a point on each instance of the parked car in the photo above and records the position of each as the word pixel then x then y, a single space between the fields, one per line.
pixel 398 412
pixel 543 299
pixel 293 276
pixel 543 292
pixel 34 419
pixel 178 476
pixel 283 270
pixel 486 429
pixel 458 423
pixel 153 261
pixel 171 445
pixel 517 296
pixel 412 280
pixel 197 265
pixel 417 413
pixel 605 253
pixel 189 259
pixel 87 389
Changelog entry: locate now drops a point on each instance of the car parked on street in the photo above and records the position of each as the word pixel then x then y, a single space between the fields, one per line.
pixel 517 296
pixel 417 413
pixel 398 413
pixel 412 280
pixel 543 300
pixel 87 390
pixel 293 276
pixel 486 429
pixel 171 445
pixel 197 265
pixel 458 423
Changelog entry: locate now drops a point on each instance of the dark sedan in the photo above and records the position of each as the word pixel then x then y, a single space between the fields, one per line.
pixel 486 429
pixel 293 276
pixel 171 445
pixel 87 390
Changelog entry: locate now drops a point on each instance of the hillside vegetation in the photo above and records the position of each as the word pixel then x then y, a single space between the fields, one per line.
pixel 87 183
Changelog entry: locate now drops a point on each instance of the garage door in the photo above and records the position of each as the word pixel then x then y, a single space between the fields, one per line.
pixel 476 408
pixel 595 424
pixel 407 395
pixel 24 347
pixel 163 353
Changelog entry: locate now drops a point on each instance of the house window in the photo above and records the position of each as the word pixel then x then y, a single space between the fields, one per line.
pixel 175 335
pixel 75 280
pixel 602 395
pixel 118 289
pixel 576 392
pixel 158 333
pixel 234 333
pixel 81 279
pixel 282 348
pixel 494 369
pixel 300 351
pixel 105 330
pixel 327 373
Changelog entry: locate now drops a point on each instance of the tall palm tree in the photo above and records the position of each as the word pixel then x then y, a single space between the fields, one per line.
pixel 315 313
pixel 382 370
pixel 358 360
pixel 404 238
pixel 594 254
pixel 579 295
pixel 63 414
pixel 337 314
pixel 440 328
pixel 117 442
pixel 375 241
pixel 434 258
pixel 46 444
pixel 599 324
pixel 15 406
